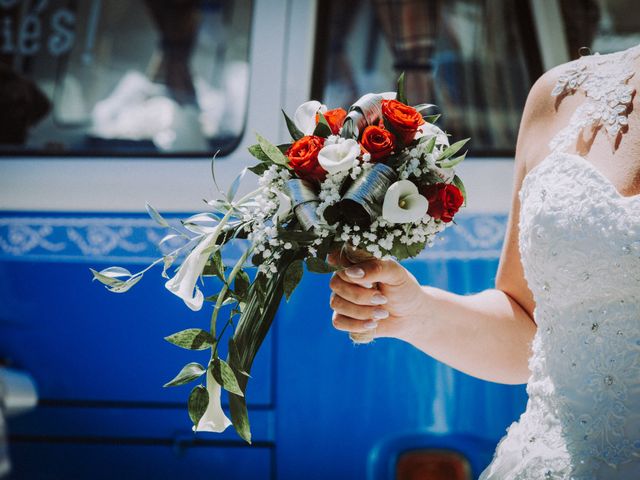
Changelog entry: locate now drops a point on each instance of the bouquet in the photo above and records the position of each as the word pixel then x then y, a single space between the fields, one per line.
pixel 375 182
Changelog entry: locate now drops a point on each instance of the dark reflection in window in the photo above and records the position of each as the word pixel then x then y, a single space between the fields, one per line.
pixel 138 77
pixel 603 26
pixel 475 59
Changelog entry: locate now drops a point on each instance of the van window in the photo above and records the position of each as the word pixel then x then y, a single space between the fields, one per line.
pixel 475 59
pixel 143 77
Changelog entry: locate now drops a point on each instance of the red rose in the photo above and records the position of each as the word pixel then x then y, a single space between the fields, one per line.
pixel 303 158
pixel 335 119
pixel 404 120
pixel 444 200
pixel 378 142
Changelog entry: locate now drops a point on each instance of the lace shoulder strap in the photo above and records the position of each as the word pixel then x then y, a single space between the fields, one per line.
pixel 603 79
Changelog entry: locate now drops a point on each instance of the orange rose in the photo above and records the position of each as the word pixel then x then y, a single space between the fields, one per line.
pixel 334 118
pixel 378 142
pixel 444 200
pixel 303 158
pixel 404 119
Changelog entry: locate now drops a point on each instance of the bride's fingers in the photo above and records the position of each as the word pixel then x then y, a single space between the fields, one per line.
pixel 355 293
pixel 348 324
pixel 359 312
pixel 372 271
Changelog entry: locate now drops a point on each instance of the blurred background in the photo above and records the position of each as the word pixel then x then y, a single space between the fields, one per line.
pixel 107 104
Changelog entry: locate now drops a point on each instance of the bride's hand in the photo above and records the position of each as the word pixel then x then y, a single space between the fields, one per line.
pixel 378 296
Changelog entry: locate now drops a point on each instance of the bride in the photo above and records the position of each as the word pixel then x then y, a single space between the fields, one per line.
pixel 564 316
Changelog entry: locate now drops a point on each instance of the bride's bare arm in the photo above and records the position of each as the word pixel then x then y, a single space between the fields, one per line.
pixel 487 335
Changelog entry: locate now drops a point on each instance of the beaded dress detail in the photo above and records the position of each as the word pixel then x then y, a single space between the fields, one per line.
pixel 580 249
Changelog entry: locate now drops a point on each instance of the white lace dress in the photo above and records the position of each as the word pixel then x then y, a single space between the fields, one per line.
pixel 580 247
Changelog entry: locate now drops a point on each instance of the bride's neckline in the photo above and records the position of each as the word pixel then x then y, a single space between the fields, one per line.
pixel 590 167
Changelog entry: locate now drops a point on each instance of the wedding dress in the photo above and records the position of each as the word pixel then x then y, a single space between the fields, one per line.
pixel 580 248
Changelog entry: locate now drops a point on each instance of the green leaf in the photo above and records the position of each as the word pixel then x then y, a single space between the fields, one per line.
pixel 296 235
pixel 401 251
pixel 223 374
pixel 322 128
pixel 452 162
pixel 294 131
pixel 192 339
pixel 424 106
pixel 197 404
pixel 457 181
pixel 319 266
pixel 256 151
pixel 273 152
pixel 241 284
pixel 432 118
pixel 233 189
pixel 189 372
pixel 400 95
pixel 228 300
pixel 292 277
pixel 153 213
pixel 240 416
pixel 430 144
pixel 452 150
pixel 217 264
pixel 260 168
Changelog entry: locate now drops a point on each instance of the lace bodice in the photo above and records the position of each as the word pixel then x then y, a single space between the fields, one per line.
pixel 580 249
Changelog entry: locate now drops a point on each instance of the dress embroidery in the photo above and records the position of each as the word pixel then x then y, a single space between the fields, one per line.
pixel 580 249
pixel 608 97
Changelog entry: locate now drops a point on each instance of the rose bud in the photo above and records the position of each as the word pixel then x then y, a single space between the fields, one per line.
pixel 303 158
pixel 404 120
pixel 335 119
pixel 444 200
pixel 378 142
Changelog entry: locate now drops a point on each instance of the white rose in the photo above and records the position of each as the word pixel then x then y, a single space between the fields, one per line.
pixel 339 156
pixel 305 116
pixel 403 203
pixel 214 419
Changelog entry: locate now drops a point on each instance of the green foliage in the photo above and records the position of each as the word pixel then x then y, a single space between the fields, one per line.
pixel 452 150
pixel 197 403
pixel 402 251
pixel 292 277
pixel 256 151
pixel 452 162
pixel 192 339
pixel 153 213
pixel 317 265
pixel 322 128
pixel 112 278
pixel 273 153
pixel 294 131
pixel 400 95
pixel 260 168
pixel 224 375
pixel 241 284
pixel 189 372
pixel 457 181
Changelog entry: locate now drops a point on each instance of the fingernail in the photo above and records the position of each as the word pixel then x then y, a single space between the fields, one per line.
pixel 367 285
pixel 370 325
pixel 354 272
pixel 379 314
pixel 378 299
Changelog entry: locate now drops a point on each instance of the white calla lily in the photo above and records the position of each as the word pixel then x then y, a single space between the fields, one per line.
pixel 305 116
pixel 214 419
pixel 339 156
pixel 284 206
pixel 430 130
pixel 403 203
pixel 183 283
